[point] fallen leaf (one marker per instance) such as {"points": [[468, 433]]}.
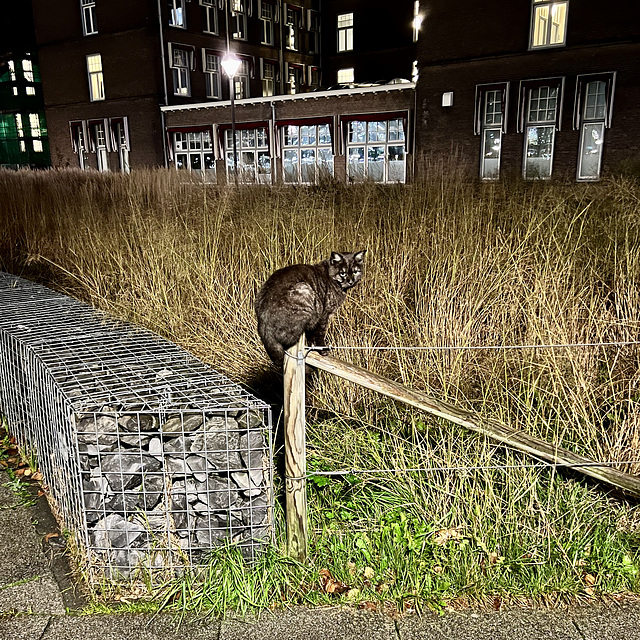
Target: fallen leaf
{"points": [[330, 584], [368, 606], [352, 594], [590, 579], [443, 536], [27, 472], [352, 568], [438, 569], [40, 493], [590, 591], [51, 535], [493, 557], [37, 476], [369, 573], [19, 472], [497, 603]]}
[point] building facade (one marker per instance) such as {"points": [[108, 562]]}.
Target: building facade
{"points": [[23, 130], [540, 89], [346, 89]]}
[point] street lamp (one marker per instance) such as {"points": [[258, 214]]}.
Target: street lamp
{"points": [[231, 64]]}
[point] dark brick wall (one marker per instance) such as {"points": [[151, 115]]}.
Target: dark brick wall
{"points": [[448, 127]]}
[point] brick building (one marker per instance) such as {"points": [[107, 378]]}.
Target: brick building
{"points": [[347, 88], [538, 88], [23, 130]]}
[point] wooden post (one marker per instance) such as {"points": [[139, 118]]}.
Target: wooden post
{"points": [[486, 426], [295, 451]]}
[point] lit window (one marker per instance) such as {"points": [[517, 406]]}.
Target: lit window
{"points": [[253, 159], [594, 100], [376, 151], [120, 136], [308, 153], [12, 74], [241, 81], [548, 23], [541, 116], [181, 76], [36, 132], [415, 72], [20, 130], [295, 74], [239, 17], [27, 70], [212, 73], [194, 151], [345, 32], [96, 80], [210, 15], [267, 13], [177, 13], [268, 78], [89, 25], [346, 76], [292, 32]]}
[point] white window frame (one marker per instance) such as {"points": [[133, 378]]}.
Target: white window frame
{"points": [[213, 75], [307, 153], [542, 120], [211, 15], [193, 151], [267, 20], [345, 32], [88, 12], [254, 159], [181, 71], [368, 137], [241, 81], [295, 78], [491, 124], [592, 118], [548, 24], [177, 13], [35, 127], [102, 152], [292, 27], [78, 134], [96, 77], [239, 19], [120, 142], [268, 74]]}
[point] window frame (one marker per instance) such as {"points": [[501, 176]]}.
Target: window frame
{"points": [[181, 73], [582, 120], [345, 35], [402, 123], [96, 75], [525, 125], [265, 79], [550, 4], [294, 88], [177, 8], [314, 28], [213, 76], [318, 148], [250, 173], [195, 150], [343, 80], [239, 20], [267, 24], [293, 24], [88, 14], [211, 15], [482, 127]]}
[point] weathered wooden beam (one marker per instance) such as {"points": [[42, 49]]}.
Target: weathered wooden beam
{"points": [[486, 426], [295, 451]]}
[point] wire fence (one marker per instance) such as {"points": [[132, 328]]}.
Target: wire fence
{"points": [[150, 458]]}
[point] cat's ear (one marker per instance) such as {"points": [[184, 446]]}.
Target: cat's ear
{"points": [[359, 257], [335, 258]]}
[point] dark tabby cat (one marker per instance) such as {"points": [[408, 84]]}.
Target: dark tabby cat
{"points": [[301, 299]]}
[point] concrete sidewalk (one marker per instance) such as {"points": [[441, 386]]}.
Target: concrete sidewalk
{"points": [[36, 597]]}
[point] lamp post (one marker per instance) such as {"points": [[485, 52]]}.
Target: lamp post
{"points": [[231, 64]]}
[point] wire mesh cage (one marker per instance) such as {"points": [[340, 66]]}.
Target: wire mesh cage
{"points": [[150, 457]]}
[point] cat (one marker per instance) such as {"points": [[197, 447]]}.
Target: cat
{"points": [[301, 299]]}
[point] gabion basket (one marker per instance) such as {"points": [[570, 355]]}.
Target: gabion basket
{"points": [[150, 458]]}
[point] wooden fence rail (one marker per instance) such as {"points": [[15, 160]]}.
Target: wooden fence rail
{"points": [[471, 420]]}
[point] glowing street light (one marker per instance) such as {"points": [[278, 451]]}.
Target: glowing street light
{"points": [[231, 63]]}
